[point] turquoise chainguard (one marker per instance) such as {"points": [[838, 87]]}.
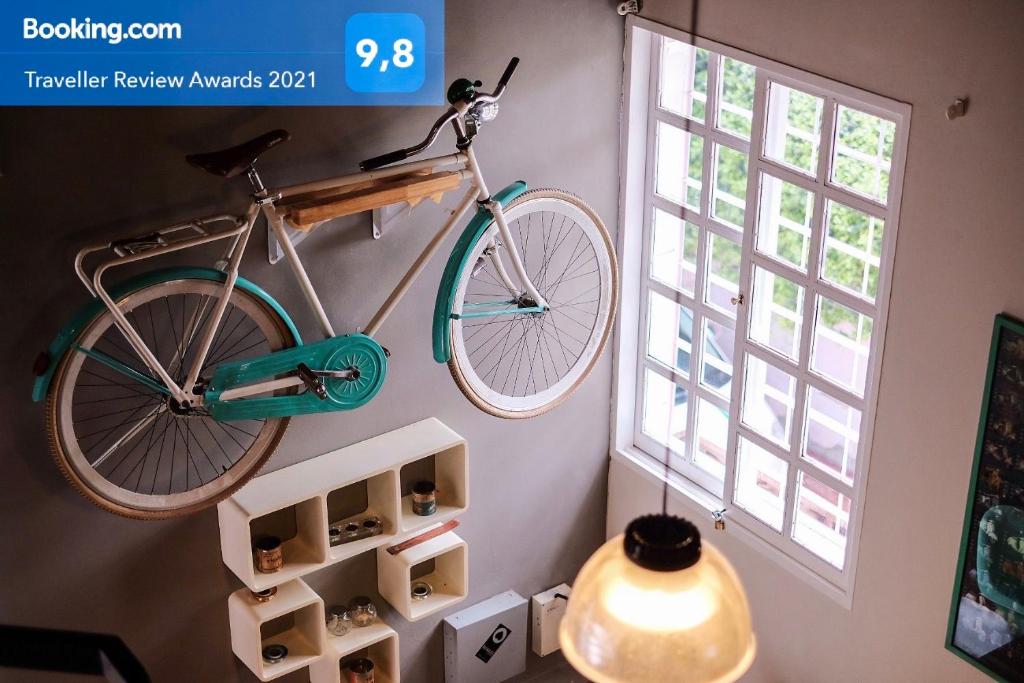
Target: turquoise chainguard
{"points": [[351, 351], [62, 343], [453, 270]]}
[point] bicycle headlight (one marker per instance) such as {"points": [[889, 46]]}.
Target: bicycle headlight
{"points": [[486, 112]]}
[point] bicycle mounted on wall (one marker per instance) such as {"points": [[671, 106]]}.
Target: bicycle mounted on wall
{"points": [[171, 389]]}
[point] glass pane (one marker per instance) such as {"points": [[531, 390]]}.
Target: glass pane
{"points": [[761, 483], [674, 251], [736, 103], [776, 313], [784, 221], [669, 331], [729, 195], [822, 517], [683, 83], [680, 164], [841, 344], [768, 399], [832, 434], [863, 154], [793, 129], [853, 250], [665, 411], [722, 283], [712, 437], [716, 362]]}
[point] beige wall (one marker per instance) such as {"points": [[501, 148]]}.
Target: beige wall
{"points": [[959, 262]]}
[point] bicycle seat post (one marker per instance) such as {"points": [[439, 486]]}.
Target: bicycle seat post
{"points": [[259, 190]]}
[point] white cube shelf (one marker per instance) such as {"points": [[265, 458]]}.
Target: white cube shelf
{"points": [[300, 498], [449, 577], [381, 494], [377, 642], [449, 475], [294, 617]]}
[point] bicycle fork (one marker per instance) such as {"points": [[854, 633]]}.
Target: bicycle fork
{"points": [[528, 296]]}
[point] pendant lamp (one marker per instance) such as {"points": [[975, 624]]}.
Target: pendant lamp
{"points": [[655, 605]]}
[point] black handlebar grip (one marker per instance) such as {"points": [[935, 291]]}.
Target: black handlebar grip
{"points": [[383, 160], [509, 70]]}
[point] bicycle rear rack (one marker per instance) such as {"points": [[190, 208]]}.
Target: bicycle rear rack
{"points": [[158, 242]]}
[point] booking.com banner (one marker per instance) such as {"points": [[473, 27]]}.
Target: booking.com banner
{"points": [[201, 52]]}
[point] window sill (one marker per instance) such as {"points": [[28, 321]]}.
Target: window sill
{"points": [[700, 502]]}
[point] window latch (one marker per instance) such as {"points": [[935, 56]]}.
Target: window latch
{"points": [[719, 517], [737, 300]]}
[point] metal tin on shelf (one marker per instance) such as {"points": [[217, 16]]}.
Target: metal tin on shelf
{"points": [[268, 554], [359, 671], [274, 653], [421, 590], [424, 498]]}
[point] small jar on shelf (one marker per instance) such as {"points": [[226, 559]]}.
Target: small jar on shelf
{"points": [[362, 611]]}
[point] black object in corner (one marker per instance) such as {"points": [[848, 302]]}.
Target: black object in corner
{"points": [[44, 649]]}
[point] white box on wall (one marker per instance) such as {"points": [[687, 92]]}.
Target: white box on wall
{"points": [[486, 643]]}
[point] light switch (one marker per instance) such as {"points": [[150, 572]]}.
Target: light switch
{"points": [[547, 610]]}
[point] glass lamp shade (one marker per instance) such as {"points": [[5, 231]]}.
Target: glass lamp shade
{"points": [[629, 624]]}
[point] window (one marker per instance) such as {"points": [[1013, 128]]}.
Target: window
{"points": [[761, 207]]}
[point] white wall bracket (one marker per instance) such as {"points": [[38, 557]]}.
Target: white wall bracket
{"points": [[379, 218]]}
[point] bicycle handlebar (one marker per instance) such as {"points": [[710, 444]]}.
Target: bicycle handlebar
{"points": [[401, 154], [452, 113], [505, 77]]}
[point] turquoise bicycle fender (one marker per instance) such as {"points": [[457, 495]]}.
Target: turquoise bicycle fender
{"points": [[66, 337], [456, 262]]}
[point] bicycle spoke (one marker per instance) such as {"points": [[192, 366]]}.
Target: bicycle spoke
{"points": [[126, 433]]}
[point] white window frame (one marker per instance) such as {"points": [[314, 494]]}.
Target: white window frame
{"points": [[636, 191]]}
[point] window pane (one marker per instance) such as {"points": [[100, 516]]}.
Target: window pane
{"points": [[723, 277], [821, 520], [729, 195], [736, 103], [680, 160], [665, 411], [793, 128], [712, 437], [768, 399], [784, 221], [683, 85], [841, 344], [669, 331], [832, 435], [863, 154], [761, 483], [674, 251], [776, 313], [716, 361], [853, 249]]}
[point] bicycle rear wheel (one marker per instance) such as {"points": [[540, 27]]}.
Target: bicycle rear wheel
{"points": [[518, 365], [121, 444]]}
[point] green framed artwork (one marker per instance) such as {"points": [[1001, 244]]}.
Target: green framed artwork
{"points": [[986, 620]]}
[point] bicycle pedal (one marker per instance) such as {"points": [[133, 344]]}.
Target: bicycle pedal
{"points": [[312, 382]]}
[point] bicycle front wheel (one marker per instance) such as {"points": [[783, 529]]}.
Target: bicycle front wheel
{"points": [[517, 364], [121, 443]]}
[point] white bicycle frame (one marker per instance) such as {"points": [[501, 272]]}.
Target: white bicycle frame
{"points": [[239, 229]]}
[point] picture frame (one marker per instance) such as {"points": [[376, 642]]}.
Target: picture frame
{"points": [[986, 618]]}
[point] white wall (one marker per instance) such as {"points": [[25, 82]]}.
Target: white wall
{"points": [[958, 263]]}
